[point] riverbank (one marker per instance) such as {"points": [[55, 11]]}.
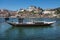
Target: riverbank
{"points": [[34, 16]]}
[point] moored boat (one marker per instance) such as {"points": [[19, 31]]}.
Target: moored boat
{"points": [[31, 23]]}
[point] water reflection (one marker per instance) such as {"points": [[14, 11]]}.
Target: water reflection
{"points": [[25, 32]]}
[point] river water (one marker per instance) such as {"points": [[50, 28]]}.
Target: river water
{"points": [[8, 32]]}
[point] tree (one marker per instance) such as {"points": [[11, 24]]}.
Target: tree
{"points": [[58, 10]]}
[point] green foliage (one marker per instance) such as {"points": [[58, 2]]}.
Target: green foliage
{"points": [[58, 10], [20, 12], [33, 12]]}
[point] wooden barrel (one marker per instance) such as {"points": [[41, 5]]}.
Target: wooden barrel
{"points": [[20, 20], [6, 19]]}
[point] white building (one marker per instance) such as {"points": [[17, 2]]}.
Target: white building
{"points": [[48, 12], [31, 8], [21, 10], [1, 10]]}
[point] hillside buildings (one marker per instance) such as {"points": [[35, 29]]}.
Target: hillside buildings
{"points": [[31, 11]]}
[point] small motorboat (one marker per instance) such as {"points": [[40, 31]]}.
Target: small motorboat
{"points": [[36, 23]]}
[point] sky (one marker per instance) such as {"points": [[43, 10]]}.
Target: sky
{"points": [[17, 4]]}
